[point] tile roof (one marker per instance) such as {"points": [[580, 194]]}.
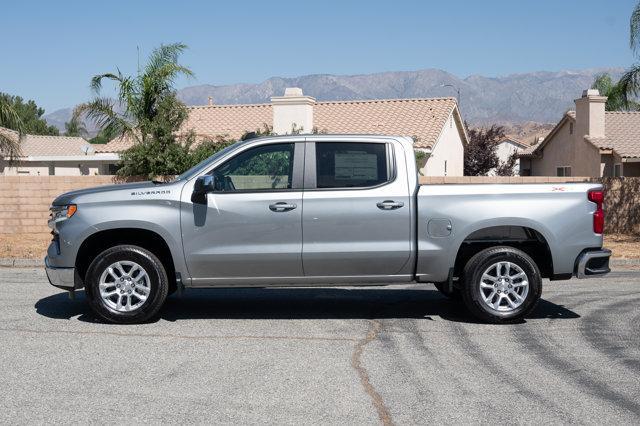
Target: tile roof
{"points": [[233, 121], [527, 152], [117, 144], [40, 145], [421, 118], [515, 141], [622, 134], [622, 130]]}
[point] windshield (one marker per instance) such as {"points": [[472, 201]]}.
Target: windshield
{"points": [[201, 165]]}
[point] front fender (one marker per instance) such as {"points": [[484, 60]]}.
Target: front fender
{"points": [[159, 216]]}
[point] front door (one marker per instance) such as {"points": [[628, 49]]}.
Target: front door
{"points": [[249, 231], [357, 210]]}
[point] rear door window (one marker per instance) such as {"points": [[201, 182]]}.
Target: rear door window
{"points": [[351, 165]]}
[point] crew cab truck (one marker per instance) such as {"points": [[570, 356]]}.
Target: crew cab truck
{"points": [[322, 210]]}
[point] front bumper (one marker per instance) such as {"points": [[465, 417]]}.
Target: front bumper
{"points": [[593, 263], [60, 277]]}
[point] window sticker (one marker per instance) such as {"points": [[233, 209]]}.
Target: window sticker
{"points": [[350, 165]]}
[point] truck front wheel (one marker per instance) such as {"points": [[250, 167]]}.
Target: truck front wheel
{"points": [[126, 284], [501, 284]]}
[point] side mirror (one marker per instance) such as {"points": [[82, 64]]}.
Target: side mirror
{"points": [[204, 184]]}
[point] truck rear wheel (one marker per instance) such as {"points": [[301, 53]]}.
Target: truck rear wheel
{"points": [[501, 284], [126, 284]]}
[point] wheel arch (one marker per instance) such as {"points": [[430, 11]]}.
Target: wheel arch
{"points": [[525, 237], [101, 240]]}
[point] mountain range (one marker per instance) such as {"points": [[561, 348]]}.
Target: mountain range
{"points": [[541, 96]]}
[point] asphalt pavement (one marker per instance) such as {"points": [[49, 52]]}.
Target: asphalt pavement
{"points": [[394, 355]]}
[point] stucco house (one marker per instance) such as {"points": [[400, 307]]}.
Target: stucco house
{"points": [[506, 148], [56, 155], [434, 123], [587, 142]]}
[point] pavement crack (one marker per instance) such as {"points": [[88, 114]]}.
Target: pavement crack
{"points": [[356, 363], [181, 336]]}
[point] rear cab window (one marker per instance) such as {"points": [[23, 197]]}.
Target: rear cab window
{"points": [[351, 164]]}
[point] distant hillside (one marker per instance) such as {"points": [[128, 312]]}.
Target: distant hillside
{"points": [[529, 131], [519, 98]]}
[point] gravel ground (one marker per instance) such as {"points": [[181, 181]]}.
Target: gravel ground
{"points": [[402, 355]]}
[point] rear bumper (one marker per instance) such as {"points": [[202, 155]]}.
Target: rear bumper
{"points": [[593, 263], [60, 277]]}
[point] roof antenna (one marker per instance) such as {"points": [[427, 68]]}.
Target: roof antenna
{"points": [[138, 50]]}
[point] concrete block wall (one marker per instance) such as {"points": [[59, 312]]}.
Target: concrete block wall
{"points": [[25, 200]]}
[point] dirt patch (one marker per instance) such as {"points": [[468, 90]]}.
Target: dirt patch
{"points": [[623, 246]]}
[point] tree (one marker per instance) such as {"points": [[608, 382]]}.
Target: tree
{"points": [[143, 98], [480, 153], [148, 112], [154, 158], [30, 115], [75, 127], [103, 136], [9, 118], [161, 152], [508, 167], [630, 81], [207, 148], [421, 160], [615, 93]]}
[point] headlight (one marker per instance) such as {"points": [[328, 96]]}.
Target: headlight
{"points": [[60, 213]]}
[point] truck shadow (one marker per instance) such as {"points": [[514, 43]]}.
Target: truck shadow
{"points": [[299, 303]]}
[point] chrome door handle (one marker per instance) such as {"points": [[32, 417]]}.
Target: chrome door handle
{"points": [[390, 205], [282, 206]]}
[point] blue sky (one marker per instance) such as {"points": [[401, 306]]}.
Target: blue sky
{"points": [[52, 48]]}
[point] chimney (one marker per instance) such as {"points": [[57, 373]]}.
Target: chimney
{"points": [[590, 114], [293, 110], [210, 100]]}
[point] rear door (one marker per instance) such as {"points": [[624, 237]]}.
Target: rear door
{"points": [[357, 212]]}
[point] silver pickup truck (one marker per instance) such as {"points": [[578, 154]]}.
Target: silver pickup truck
{"points": [[322, 210]]}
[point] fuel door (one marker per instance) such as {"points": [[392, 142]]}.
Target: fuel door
{"points": [[439, 228]]}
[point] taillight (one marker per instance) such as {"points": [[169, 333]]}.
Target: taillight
{"points": [[597, 196]]}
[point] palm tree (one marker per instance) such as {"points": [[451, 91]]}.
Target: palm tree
{"points": [[141, 99], [634, 26], [9, 145], [630, 81], [615, 93], [75, 127]]}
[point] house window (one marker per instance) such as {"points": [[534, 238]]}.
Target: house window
{"points": [[617, 170], [570, 128], [445, 167], [52, 170], [563, 171]]}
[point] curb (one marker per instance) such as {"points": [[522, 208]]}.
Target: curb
{"points": [[619, 261], [8, 262]]}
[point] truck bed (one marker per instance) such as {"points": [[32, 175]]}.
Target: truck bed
{"points": [[450, 214]]}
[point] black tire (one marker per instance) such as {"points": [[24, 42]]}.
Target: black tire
{"points": [[472, 276], [443, 288], [158, 284]]}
